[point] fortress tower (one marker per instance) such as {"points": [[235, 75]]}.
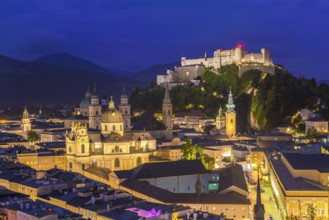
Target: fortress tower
{"points": [[125, 109], [95, 111], [230, 116], [167, 114], [26, 123]]}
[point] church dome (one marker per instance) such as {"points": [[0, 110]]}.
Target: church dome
{"points": [[85, 103], [112, 115]]}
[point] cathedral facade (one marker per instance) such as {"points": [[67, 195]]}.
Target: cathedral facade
{"points": [[112, 147], [91, 110]]}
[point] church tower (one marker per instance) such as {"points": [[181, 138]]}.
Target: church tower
{"points": [[220, 119], [125, 109], [230, 116], [26, 123], [167, 114], [95, 111], [259, 210], [77, 147]]}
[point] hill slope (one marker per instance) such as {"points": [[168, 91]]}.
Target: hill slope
{"points": [[150, 73], [71, 61], [25, 83]]}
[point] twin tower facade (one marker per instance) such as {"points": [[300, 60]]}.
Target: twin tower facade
{"points": [[92, 107]]}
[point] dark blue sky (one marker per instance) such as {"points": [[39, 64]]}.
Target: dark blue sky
{"points": [[132, 35]]}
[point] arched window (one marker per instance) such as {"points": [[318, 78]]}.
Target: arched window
{"points": [[82, 148], [70, 165], [168, 112], [113, 128], [96, 112], [232, 121], [70, 149], [139, 161], [117, 162], [105, 128], [126, 112], [83, 166], [120, 127]]}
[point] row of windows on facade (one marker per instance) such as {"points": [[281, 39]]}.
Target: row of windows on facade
{"points": [[113, 128], [116, 163], [116, 149]]}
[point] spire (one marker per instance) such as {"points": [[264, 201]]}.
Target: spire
{"points": [[94, 96], [87, 93], [220, 115], [111, 104], [94, 88], [123, 94], [198, 186], [25, 113], [167, 96], [230, 104]]}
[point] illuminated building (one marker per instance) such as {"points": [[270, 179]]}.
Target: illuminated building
{"points": [[112, 147], [43, 160], [230, 117], [299, 180], [26, 123]]}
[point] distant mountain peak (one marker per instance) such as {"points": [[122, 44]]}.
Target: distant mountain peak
{"points": [[71, 61]]}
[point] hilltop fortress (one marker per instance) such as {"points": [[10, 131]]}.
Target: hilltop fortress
{"points": [[190, 69]]}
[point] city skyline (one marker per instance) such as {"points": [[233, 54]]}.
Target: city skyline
{"points": [[135, 35]]}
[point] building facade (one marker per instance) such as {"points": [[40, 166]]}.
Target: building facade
{"points": [[230, 117], [112, 147]]}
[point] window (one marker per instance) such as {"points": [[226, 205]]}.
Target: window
{"points": [[117, 162], [120, 127], [113, 128], [116, 149], [70, 149], [96, 112], [188, 188], [105, 128], [83, 148], [70, 165], [83, 166]]}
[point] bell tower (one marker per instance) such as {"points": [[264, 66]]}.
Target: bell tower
{"points": [[26, 123], [220, 119], [230, 116], [167, 114], [95, 111], [125, 109]]}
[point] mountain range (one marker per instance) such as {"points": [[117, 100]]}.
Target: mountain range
{"points": [[63, 78]]}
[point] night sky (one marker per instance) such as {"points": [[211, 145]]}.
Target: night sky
{"points": [[132, 35]]}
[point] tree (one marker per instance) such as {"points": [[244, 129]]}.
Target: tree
{"points": [[194, 152], [32, 136], [312, 134]]}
